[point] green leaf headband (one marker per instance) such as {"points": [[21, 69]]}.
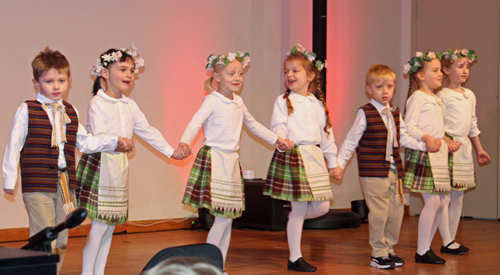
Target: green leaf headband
{"points": [[223, 59], [415, 62], [97, 67], [309, 55], [454, 55]]}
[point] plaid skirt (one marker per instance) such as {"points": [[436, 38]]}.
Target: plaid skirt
{"points": [[198, 189], [287, 178], [87, 174], [418, 174]]}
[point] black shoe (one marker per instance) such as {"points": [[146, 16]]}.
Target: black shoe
{"points": [[382, 263], [301, 265], [429, 258], [455, 251], [398, 261]]}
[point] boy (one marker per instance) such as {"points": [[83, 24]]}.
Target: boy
{"points": [[376, 135], [43, 138]]}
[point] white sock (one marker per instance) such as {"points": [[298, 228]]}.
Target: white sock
{"points": [[92, 247], [220, 235], [432, 203], [456, 204], [294, 228], [102, 256]]}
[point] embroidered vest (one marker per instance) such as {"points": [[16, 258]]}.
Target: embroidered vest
{"points": [[39, 162], [372, 145]]}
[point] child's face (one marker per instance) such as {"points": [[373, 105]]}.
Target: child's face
{"points": [[459, 71], [119, 75], [431, 76], [52, 84], [296, 77], [381, 90], [230, 77]]}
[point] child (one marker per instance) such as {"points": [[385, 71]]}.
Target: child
{"points": [[426, 172], [301, 175], [215, 182], [376, 135], [460, 123], [43, 138], [103, 176]]}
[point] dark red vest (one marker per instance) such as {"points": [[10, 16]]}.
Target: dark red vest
{"points": [[39, 162], [372, 145]]}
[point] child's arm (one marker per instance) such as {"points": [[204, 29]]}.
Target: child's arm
{"points": [[15, 144], [198, 119], [413, 110], [352, 140], [408, 141], [279, 121], [482, 156]]}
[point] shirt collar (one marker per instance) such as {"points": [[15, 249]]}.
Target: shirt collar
{"points": [[467, 94], [223, 98], [42, 99], [300, 98], [106, 97], [378, 105], [430, 98]]}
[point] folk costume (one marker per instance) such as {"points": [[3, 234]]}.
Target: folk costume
{"points": [[43, 138], [377, 134]]}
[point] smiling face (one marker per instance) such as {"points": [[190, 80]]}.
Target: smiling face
{"points": [[430, 77], [230, 78], [458, 72], [52, 84], [381, 90], [119, 76], [296, 77]]}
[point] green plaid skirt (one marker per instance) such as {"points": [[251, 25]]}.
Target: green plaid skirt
{"points": [[197, 192], [418, 174], [87, 174], [286, 177]]}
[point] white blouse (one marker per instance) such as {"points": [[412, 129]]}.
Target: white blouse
{"points": [[459, 113], [424, 115], [305, 125], [122, 117], [85, 142], [359, 127], [222, 120]]}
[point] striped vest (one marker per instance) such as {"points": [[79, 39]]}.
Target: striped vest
{"points": [[39, 162], [372, 145]]}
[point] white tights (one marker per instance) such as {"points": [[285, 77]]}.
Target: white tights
{"points": [[429, 220], [96, 249], [302, 210], [451, 218], [220, 235]]}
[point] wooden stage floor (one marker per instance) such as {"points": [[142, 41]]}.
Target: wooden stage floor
{"points": [[344, 251]]}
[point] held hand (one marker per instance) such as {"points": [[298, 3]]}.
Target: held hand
{"points": [[453, 145], [125, 145], [178, 155], [433, 145], [336, 172], [9, 191], [482, 157]]}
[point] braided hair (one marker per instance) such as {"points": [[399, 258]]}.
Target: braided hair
{"points": [[314, 85]]}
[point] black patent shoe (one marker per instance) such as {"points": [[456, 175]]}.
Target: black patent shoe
{"points": [[301, 265], [429, 258], [455, 251]]}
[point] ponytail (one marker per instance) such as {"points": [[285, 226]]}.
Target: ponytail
{"points": [[318, 93], [97, 85], [288, 102], [208, 85]]}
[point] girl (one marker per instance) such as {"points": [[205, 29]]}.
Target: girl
{"points": [[301, 175], [460, 123], [104, 190], [426, 172], [215, 182]]}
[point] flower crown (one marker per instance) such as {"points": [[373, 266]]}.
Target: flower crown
{"points": [[97, 67], [223, 59], [415, 62], [457, 54], [309, 55]]}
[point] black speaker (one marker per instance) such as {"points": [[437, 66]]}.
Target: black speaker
{"points": [[261, 212]]}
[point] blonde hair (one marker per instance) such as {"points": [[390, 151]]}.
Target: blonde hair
{"points": [[49, 59], [380, 72], [314, 86], [208, 83]]}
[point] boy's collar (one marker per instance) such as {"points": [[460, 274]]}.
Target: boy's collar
{"points": [[42, 99], [379, 105]]}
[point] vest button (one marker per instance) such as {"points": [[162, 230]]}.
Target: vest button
{"points": [[52, 167]]}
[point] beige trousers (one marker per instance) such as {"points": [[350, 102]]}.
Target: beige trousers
{"points": [[46, 209], [386, 213]]}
